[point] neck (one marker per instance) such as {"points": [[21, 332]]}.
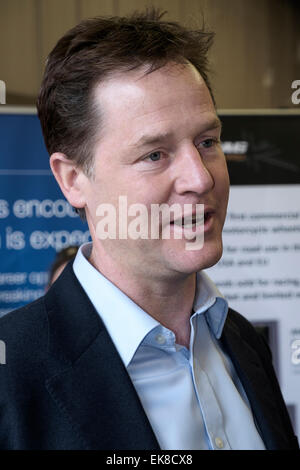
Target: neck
{"points": [[169, 301]]}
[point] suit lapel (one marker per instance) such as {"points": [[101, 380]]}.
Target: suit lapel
{"points": [[87, 378], [257, 386], [91, 386]]}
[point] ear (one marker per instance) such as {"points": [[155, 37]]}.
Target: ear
{"points": [[70, 178]]}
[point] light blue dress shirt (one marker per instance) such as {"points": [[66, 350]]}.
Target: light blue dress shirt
{"points": [[192, 397]]}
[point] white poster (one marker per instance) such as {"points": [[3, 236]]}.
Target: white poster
{"points": [[259, 274]]}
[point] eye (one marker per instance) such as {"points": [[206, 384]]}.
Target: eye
{"points": [[154, 156], [208, 143]]}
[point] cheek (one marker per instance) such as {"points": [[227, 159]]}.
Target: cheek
{"points": [[95, 195]]}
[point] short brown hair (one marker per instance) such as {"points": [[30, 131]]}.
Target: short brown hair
{"points": [[92, 51]]}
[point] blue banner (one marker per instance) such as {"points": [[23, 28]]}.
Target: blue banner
{"points": [[36, 221]]}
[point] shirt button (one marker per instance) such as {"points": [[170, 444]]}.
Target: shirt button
{"points": [[160, 339], [219, 443]]}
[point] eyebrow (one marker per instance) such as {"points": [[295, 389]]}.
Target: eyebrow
{"points": [[161, 137]]}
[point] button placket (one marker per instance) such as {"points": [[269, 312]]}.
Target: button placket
{"points": [[212, 415]]}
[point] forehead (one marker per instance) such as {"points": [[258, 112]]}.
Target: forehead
{"points": [[159, 99]]}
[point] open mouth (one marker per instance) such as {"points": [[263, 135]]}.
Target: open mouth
{"points": [[192, 221], [207, 216]]}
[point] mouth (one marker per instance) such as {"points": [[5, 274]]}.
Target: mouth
{"points": [[193, 221]]}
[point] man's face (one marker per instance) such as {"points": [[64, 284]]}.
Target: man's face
{"points": [[159, 144]]}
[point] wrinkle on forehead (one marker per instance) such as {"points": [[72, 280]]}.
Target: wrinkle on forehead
{"points": [[132, 96]]}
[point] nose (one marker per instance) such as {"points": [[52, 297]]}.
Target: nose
{"points": [[192, 174]]}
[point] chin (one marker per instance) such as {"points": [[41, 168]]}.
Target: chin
{"points": [[194, 261]]}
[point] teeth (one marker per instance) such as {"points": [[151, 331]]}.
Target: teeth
{"points": [[189, 222]]}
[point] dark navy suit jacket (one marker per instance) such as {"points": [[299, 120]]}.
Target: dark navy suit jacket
{"points": [[64, 385]]}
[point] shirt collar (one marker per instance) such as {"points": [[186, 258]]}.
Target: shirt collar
{"points": [[126, 322], [209, 299]]}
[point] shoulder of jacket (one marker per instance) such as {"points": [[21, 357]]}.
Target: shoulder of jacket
{"points": [[23, 333]]}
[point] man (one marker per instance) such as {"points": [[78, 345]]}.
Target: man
{"points": [[133, 347]]}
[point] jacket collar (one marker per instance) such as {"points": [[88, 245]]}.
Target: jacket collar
{"points": [[256, 383], [86, 377]]}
